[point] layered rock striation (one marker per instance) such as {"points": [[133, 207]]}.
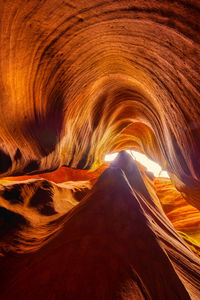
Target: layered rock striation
{"points": [[81, 79], [78, 80]]}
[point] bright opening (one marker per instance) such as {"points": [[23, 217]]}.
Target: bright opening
{"points": [[143, 160]]}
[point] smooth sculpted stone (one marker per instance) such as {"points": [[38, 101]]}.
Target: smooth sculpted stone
{"points": [[113, 245], [79, 80]]}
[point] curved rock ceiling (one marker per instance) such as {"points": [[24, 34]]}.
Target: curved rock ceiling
{"points": [[79, 79]]}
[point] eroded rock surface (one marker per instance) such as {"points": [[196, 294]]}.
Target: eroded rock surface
{"points": [[75, 75], [78, 80], [115, 244]]}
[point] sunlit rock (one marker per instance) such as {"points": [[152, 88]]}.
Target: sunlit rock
{"points": [[79, 80]]}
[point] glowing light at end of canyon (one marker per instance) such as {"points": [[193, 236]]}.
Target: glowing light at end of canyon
{"points": [[144, 160]]}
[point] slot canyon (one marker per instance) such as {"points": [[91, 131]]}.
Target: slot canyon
{"points": [[79, 80]]}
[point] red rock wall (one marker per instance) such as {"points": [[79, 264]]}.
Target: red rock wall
{"points": [[78, 80], [74, 75], [115, 244]]}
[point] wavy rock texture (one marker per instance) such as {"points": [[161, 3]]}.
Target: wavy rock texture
{"points": [[116, 244], [75, 75], [78, 80], [184, 217]]}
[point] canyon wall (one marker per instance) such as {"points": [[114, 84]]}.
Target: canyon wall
{"points": [[79, 79]]}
